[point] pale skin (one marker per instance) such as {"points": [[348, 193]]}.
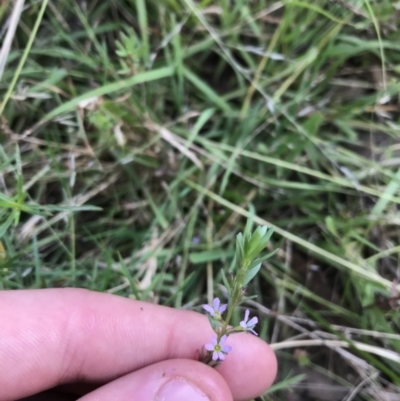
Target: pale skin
{"points": [[63, 344]]}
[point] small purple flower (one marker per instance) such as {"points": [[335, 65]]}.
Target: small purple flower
{"points": [[196, 240], [216, 310], [249, 325], [219, 350]]}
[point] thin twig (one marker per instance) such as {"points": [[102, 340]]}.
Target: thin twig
{"points": [[384, 353]]}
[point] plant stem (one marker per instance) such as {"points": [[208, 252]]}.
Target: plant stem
{"points": [[235, 301]]}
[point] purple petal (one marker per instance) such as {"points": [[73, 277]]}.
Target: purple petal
{"points": [[209, 309], [252, 321], [253, 332], [221, 356], [223, 339], [215, 356], [216, 303], [214, 340], [222, 308], [226, 348], [243, 324], [209, 347], [246, 316]]}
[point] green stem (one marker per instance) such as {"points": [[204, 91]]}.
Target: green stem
{"points": [[235, 301]]}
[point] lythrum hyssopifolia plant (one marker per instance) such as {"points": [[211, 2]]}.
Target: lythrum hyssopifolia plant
{"points": [[247, 264]]}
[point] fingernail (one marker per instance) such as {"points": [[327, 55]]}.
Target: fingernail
{"points": [[180, 390]]}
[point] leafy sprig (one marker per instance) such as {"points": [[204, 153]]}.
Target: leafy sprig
{"points": [[247, 264]]}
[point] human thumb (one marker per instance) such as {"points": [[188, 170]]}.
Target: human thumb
{"points": [[171, 380]]}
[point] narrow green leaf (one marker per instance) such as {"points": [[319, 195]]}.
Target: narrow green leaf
{"points": [[143, 24], [208, 256], [6, 224], [391, 190], [226, 282], [249, 224], [266, 237], [250, 274], [265, 257], [124, 84]]}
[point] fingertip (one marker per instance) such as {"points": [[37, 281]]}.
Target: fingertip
{"points": [[253, 359], [170, 380]]}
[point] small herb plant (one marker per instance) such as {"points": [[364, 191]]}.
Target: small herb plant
{"points": [[247, 264]]}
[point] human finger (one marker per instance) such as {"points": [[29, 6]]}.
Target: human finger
{"points": [[172, 380], [55, 336]]}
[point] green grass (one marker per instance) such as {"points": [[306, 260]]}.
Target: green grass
{"points": [[128, 128]]}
